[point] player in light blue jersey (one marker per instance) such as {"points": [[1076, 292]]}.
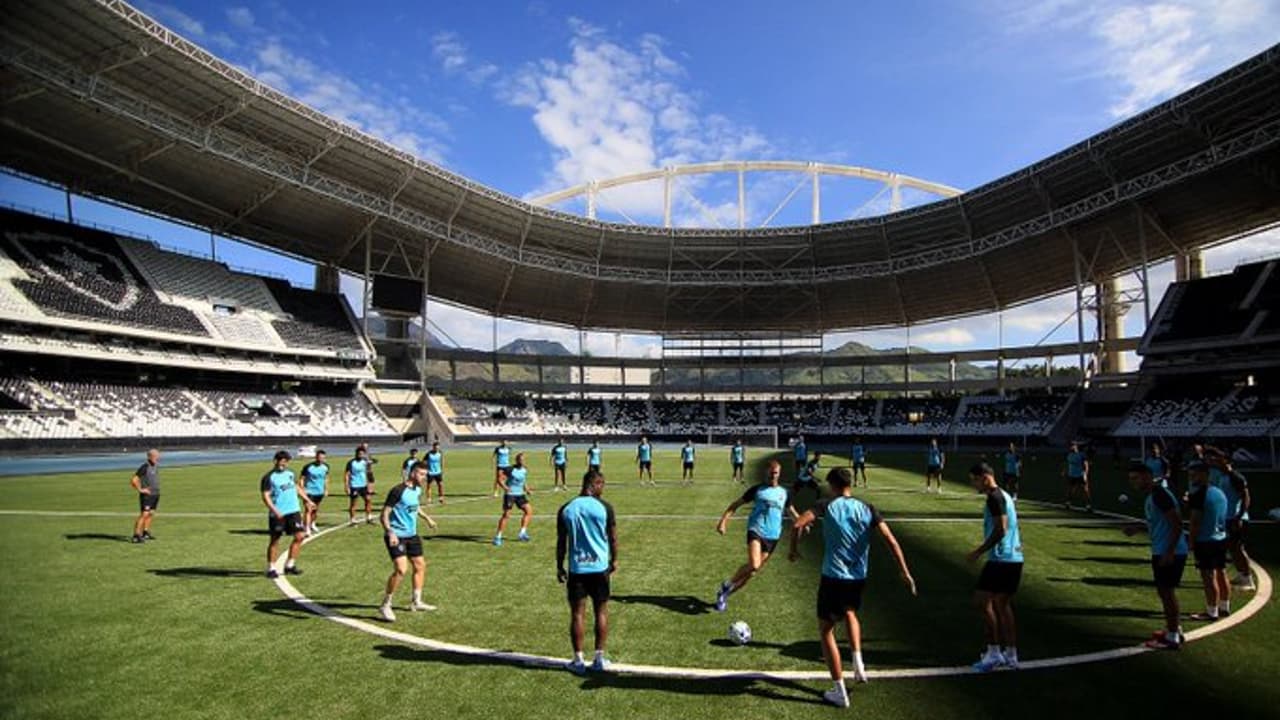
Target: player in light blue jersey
{"points": [[1236, 487], [738, 459], [800, 452], [559, 465], [315, 481], [1076, 472], [1158, 464], [858, 457], [768, 502], [1208, 540], [400, 534], [1012, 478], [515, 493], [501, 465], [1168, 550], [358, 483], [1002, 543], [847, 525], [587, 536], [435, 472], [687, 454], [593, 457], [936, 460], [644, 460], [285, 500]]}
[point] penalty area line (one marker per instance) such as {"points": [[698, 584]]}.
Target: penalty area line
{"points": [[1261, 597]]}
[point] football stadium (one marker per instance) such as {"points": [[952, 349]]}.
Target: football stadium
{"points": [[364, 517]]}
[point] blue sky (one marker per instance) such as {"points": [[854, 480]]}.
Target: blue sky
{"points": [[535, 96]]}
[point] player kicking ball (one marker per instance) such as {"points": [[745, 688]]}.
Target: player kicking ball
{"points": [[515, 493], [400, 525], [1168, 551], [284, 499], [847, 525], [1001, 575], [764, 527]]}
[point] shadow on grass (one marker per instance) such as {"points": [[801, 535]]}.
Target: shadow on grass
{"points": [[811, 650], [770, 689], [1108, 560], [97, 536], [249, 531], [284, 607], [1113, 543], [481, 539], [200, 573], [683, 604], [1105, 581], [1103, 612]]}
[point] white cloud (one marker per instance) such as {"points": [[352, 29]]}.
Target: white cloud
{"points": [[951, 337], [1150, 49], [448, 49], [614, 108], [395, 120], [240, 17]]}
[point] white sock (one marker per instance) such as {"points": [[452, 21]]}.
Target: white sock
{"points": [[839, 687], [993, 650], [599, 655], [386, 600], [857, 661], [1010, 653], [1224, 606], [578, 656], [288, 563], [417, 596]]}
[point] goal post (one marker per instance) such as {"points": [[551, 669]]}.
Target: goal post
{"points": [[751, 435]]}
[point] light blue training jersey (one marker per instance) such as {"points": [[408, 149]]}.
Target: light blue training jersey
{"points": [[435, 463], [515, 480], [846, 535], [768, 503], [559, 454], [502, 456], [1075, 464], [686, 454], [404, 502], [1162, 532], [314, 476], [583, 524], [644, 452], [859, 454], [738, 455], [283, 489], [1212, 504], [359, 470], [935, 456], [1012, 462], [1009, 549]]}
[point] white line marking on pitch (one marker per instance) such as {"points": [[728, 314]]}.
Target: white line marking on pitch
{"points": [[1259, 600]]}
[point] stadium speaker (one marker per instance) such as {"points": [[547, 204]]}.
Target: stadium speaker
{"points": [[397, 295]]}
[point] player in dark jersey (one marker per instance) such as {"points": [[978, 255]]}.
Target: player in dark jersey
{"points": [[358, 483], [284, 499], [587, 536], [768, 503], [1002, 542], [516, 493], [400, 535], [146, 480], [847, 525], [315, 482], [1168, 550]]}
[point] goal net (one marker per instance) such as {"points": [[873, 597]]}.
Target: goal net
{"points": [[750, 435]]}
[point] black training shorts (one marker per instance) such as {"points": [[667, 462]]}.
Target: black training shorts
{"points": [[315, 498], [1211, 555], [1000, 578], [290, 524], [148, 502], [766, 546], [588, 585], [835, 597], [360, 492], [404, 547], [509, 501], [1168, 576], [1237, 531], [438, 479]]}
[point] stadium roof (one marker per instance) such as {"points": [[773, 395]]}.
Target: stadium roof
{"points": [[100, 97]]}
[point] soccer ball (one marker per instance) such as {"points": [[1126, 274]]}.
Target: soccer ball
{"points": [[1123, 498], [740, 633], [1274, 514]]}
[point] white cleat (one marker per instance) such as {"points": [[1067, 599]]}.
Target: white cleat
{"points": [[386, 613], [860, 675], [837, 696], [419, 606]]}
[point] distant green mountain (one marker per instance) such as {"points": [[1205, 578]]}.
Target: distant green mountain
{"points": [[936, 372]]}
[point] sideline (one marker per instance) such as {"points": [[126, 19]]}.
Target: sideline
{"points": [[1261, 597]]}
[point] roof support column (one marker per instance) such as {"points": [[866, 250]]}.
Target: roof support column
{"points": [[817, 194], [426, 275], [1146, 287], [70, 215], [742, 199], [1075, 264], [592, 190], [368, 284], [906, 363], [667, 178]]}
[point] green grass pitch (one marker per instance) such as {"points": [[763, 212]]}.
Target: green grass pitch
{"points": [[187, 626]]}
